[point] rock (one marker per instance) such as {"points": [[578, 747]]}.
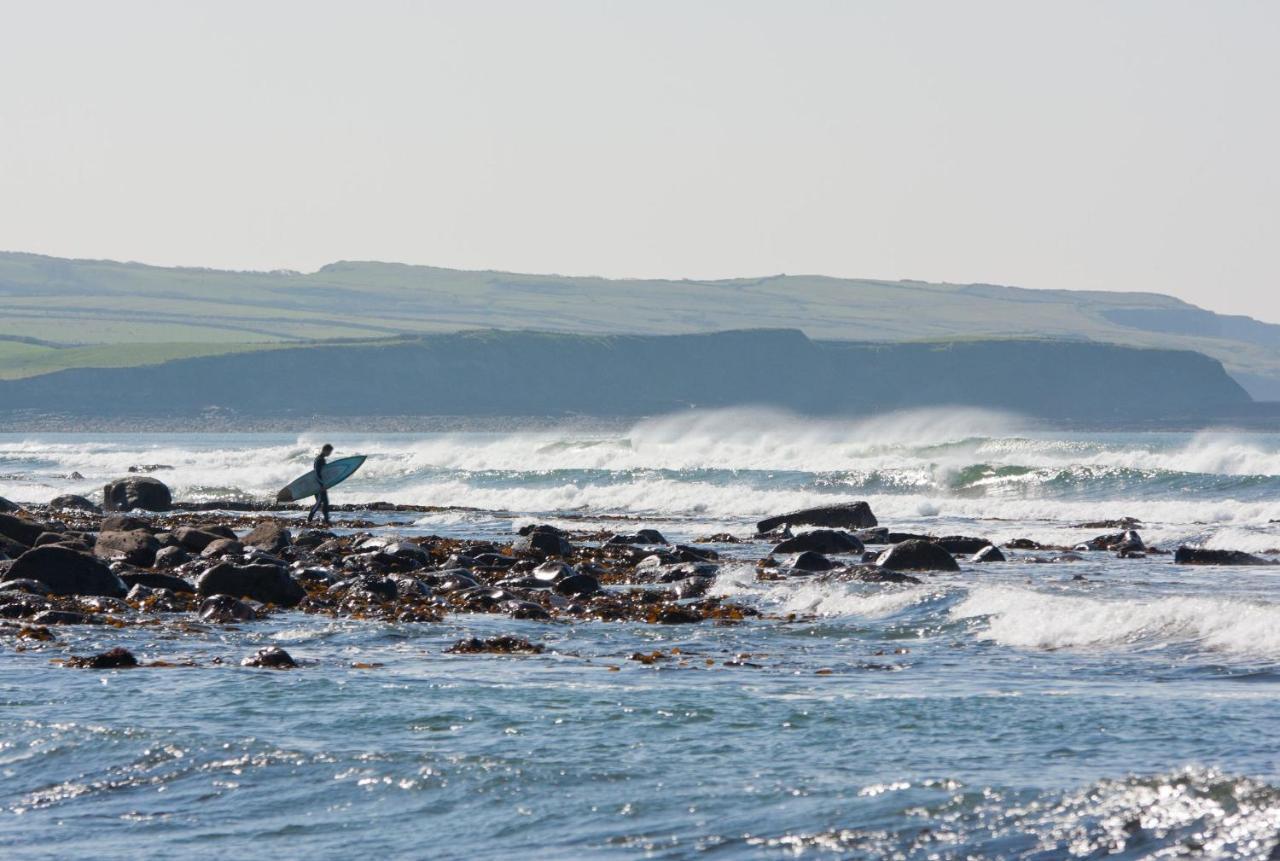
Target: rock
{"points": [[961, 543], [899, 537], [543, 542], [1127, 540], [8, 507], [642, 536], [222, 547], [149, 467], [194, 539], [64, 617], [1200, 556], [222, 531], [67, 572], [405, 554], [917, 555], [272, 658], [112, 659], [49, 538], [808, 561], [146, 493], [693, 587], [686, 553], [157, 581], [30, 587], [171, 557], [266, 583], [990, 553], [309, 539], [528, 610], [577, 584], [123, 523], [10, 548], [223, 609], [875, 535], [821, 541], [137, 547], [74, 502], [849, 515], [1122, 523], [20, 530], [868, 574], [551, 572], [505, 644], [268, 536]]}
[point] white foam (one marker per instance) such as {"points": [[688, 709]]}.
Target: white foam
{"points": [[1029, 619]]}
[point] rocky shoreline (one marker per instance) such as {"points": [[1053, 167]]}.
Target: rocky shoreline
{"points": [[155, 562]]}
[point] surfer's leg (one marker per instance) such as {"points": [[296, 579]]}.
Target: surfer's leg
{"points": [[322, 501], [312, 513]]}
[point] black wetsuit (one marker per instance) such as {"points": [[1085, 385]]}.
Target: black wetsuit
{"points": [[322, 497]]}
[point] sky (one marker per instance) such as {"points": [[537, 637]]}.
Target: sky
{"points": [[1079, 145]]}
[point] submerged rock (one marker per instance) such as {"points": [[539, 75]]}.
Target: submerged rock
{"points": [[109, 660], [272, 658], [504, 644], [224, 608], [1201, 556]]}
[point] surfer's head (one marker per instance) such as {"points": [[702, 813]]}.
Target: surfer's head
{"points": [[327, 449]]}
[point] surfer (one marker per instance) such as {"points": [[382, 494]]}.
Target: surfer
{"points": [[322, 496]]}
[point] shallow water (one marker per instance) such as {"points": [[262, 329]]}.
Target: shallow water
{"points": [[1005, 711]]}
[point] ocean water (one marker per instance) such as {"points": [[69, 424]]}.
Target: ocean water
{"points": [[1107, 707]]}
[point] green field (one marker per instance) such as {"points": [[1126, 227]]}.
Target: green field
{"points": [[107, 314]]}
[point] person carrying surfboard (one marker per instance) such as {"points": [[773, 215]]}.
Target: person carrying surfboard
{"points": [[322, 495]]}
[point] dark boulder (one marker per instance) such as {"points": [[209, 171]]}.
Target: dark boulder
{"points": [[543, 542], [74, 502], [223, 609], [126, 494], [849, 515], [693, 587], [30, 587], [268, 536], [64, 617], [990, 553], [1200, 556], [899, 537], [917, 555], [577, 584], [961, 543], [137, 547], [123, 523], [157, 581], [642, 536], [222, 547], [503, 644], [8, 507], [272, 658], [20, 530], [194, 539], [67, 572], [266, 583], [171, 557], [1127, 540], [875, 535], [821, 541], [49, 538], [808, 561]]}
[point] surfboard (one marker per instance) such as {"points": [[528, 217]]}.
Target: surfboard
{"points": [[334, 472]]}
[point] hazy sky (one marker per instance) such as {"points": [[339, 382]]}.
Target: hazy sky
{"points": [[1109, 145]]}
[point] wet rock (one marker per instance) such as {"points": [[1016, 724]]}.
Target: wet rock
{"points": [[67, 572], [268, 536], [642, 536], [868, 574], [20, 529], [673, 615], [149, 467], [551, 572], [49, 538], [371, 585], [112, 659], [452, 580], [405, 555], [899, 537], [577, 585], [916, 555], [1122, 523], [171, 557], [686, 553], [528, 610], [542, 541], [157, 581], [126, 494], [808, 561], [64, 617], [309, 539], [820, 541], [990, 553], [266, 583], [222, 547], [1024, 544], [1127, 540], [693, 587], [10, 548], [7, 507], [962, 544], [138, 547], [30, 587], [123, 523], [1200, 556], [504, 644], [272, 658], [685, 570], [875, 535], [850, 515], [75, 503], [225, 609]]}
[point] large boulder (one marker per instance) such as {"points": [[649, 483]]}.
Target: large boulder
{"points": [[917, 555], [808, 561], [266, 583], [848, 515], [19, 529], [1201, 556], [137, 547], [821, 541], [542, 541], [990, 553], [268, 536], [67, 572], [961, 543], [144, 492], [8, 507], [194, 539], [74, 502]]}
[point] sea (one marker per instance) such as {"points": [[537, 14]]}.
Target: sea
{"points": [[1104, 707]]}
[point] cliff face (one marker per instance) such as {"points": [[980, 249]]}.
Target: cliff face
{"points": [[524, 373]]}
